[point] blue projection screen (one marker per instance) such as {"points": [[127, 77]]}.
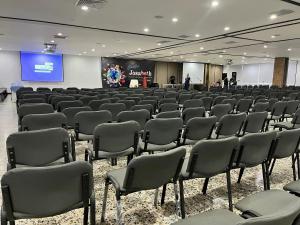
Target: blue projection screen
{"points": [[38, 67]]}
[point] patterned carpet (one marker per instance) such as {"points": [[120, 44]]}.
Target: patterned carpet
{"points": [[138, 208]]}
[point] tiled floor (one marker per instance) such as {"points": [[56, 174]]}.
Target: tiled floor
{"points": [[138, 207]]}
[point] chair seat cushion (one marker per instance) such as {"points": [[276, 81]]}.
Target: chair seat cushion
{"points": [[117, 177], [215, 217], [266, 202], [155, 148], [284, 125], [293, 187], [85, 137], [102, 154], [270, 117]]}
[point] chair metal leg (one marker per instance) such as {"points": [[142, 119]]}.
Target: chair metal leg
{"points": [[119, 210], [263, 167], [267, 175], [294, 168], [181, 191], [228, 178], [204, 189], [92, 210], [298, 164], [272, 167], [86, 216], [12, 223], [240, 175], [163, 194], [177, 202], [3, 218], [156, 197], [104, 201]]}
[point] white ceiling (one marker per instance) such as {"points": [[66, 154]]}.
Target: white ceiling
{"points": [[126, 20]]}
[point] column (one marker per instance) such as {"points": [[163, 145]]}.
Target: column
{"points": [[281, 65]]}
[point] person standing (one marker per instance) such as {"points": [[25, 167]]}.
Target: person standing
{"points": [[226, 83], [187, 82]]}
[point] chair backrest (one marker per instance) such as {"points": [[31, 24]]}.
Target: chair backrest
{"points": [[230, 124], [95, 104], [189, 113], [147, 107], [212, 157], [296, 117], [86, 121], [171, 94], [102, 96], [255, 148], [219, 99], [149, 102], [141, 116], [105, 136], [38, 147], [287, 143], [163, 131], [121, 96], [86, 99], [255, 122], [199, 128], [166, 107], [292, 106], [183, 97], [136, 99], [155, 98], [34, 95], [244, 105], [207, 101], [128, 103], [192, 103], [278, 108], [56, 99], [67, 104], [230, 101], [260, 107], [167, 100], [46, 191], [114, 108], [38, 108], [150, 171], [71, 112], [220, 110], [169, 114], [31, 100], [43, 121]]}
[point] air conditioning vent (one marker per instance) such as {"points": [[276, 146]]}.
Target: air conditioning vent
{"points": [[60, 37], [163, 42], [231, 42], [96, 4], [283, 12], [183, 36], [293, 2]]}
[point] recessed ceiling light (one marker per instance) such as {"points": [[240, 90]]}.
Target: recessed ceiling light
{"points": [[226, 28], [273, 36], [146, 29], [115, 54], [208, 60], [84, 52], [125, 52], [139, 49], [52, 41], [289, 49], [214, 3], [103, 45], [224, 51], [265, 46], [201, 48], [159, 44], [267, 55], [195, 55], [265, 59], [0, 49], [245, 53], [171, 53], [85, 8], [93, 50], [197, 35], [181, 57], [243, 57], [220, 56], [174, 20], [59, 34], [273, 16]]}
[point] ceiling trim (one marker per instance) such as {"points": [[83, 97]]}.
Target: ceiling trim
{"points": [[291, 2]]}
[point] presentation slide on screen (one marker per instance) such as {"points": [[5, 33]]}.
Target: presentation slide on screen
{"points": [[195, 71], [38, 67]]}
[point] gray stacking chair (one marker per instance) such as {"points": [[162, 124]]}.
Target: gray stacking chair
{"points": [[141, 116], [254, 150], [106, 146], [155, 98], [260, 107], [159, 94], [102, 96], [220, 110], [71, 112], [255, 122], [277, 113], [56, 99], [209, 158], [113, 99], [169, 114], [121, 96], [207, 102], [198, 128], [219, 100], [128, 103], [161, 135], [295, 123], [114, 108], [67, 104], [166, 107], [144, 173], [34, 95], [230, 124], [141, 96], [286, 145], [190, 113], [171, 94], [43, 121], [230, 101], [95, 104], [48, 191], [183, 97], [243, 105], [149, 102], [192, 103], [272, 101], [31, 101], [147, 107], [87, 99], [136, 99], [39, 148], [291, 108], [86, 121], [167, 100]]}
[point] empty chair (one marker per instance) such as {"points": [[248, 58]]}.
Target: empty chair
{"points": [[260, 107], [171, 94], [169, 114], [207, 102], [33, 95], [141, 96], [230, 124], [86, 121], [71, 112], [219, 100], [146, 106], [67, 104], [203, 163], [277, 112], [183, 97], [43, 121], [189, 113], [87, 99], [48, 191], [254, 150], [159, 94], [230, 101], [114, 108], [166, 107], [198, 128], [244, 105], [43, 89], [102, 96], [128, 103], [149, 102], [287, 143], [161, 135], [56, 99], [38, 148], [121, 96], [291, 108], [295, 123], [95, 104], [113, 99], [156, 98], [135, 99], [31, 101], [105, 145], [141, 116], [255, 122], [167, 100], [192, 103], [220, 110], [144, 173]]}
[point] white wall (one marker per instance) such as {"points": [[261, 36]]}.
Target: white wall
{"points": [[79, 71], [293, 77], [195, 70]]}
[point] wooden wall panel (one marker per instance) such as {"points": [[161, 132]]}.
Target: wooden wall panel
{"points": [[163, 71], [214, 74]]}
